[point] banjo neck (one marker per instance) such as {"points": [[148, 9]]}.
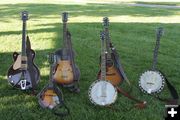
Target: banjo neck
{"points": [[155, 56], [103, 58], [103, 64]]}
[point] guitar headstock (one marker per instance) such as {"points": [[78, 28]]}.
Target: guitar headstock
{"points": [[159, 32], [24, 15], [105, 21], [51, 58], [64, 16], [102, 35]]}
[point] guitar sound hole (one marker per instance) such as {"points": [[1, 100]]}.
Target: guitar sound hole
{"points": [[109, 63]]}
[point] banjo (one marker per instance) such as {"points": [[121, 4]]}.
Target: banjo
{"points": [[102, 92], [152, 81]]}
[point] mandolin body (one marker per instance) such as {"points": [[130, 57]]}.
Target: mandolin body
{"points": [[49, 98], [15, 73]]}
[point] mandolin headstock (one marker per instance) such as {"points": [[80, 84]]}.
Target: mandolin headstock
{"points": [[64, 16], [105, 21], [51, 58], [24, 15]]}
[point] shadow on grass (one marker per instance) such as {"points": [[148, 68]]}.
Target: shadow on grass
{"points": [[135, 44]]}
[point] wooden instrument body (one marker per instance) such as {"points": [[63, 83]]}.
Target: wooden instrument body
{"points": [[50, 98], [112, 73], [15, 71], [24, 73], [50, 95], [64, 73]]}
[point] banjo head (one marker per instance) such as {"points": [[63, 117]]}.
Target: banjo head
{"points": [[96, 90], [151, 82]]}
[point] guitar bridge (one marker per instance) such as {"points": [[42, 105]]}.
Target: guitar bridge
{"points": [[23, 84]]}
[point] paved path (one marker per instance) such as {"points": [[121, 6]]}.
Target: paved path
{"points": [[158, 6]]}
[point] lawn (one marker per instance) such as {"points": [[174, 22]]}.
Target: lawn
{"points": [[132, 32]]}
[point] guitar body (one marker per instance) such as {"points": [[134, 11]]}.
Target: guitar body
{"points": [[24, 73], [112, 75], [64, 73], [15, 73]]}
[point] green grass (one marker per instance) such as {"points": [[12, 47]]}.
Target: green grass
{"points": [[160, 3], [132, 32]]}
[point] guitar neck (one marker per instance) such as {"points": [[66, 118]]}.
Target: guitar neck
{"points": [[108, 41], [65, 35], [23, 52], [24, 39]]}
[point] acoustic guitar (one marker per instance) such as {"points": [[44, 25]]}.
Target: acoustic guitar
{"points": [[66, 72], [24, 74], [112, 73]]}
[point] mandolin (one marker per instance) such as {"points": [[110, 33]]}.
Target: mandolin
{"points": [[48, 97], [66, 72], [112, 73], [24, 74], [102, 92], [51, 96]]}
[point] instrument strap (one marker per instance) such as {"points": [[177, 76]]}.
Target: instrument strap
{"points": [[61, 105], [76, 78], [118, 64], [139, 104], [171, 88], [31, 70], [74, 86], [175, 97]]}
